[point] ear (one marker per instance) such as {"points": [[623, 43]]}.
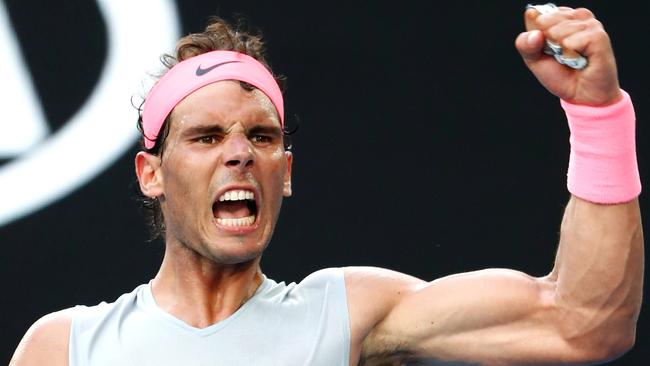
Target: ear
{"points": [[287, 174], [147, 169]]}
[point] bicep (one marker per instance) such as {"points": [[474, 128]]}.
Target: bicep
{"points": [[493, 316], [45, 342]]}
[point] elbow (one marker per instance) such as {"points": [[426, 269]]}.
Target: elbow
{"points": [[622, 347], [602, 352], [604, 345], [617, 334], [617, 345], [593, 337]]}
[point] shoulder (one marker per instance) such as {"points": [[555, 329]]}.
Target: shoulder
{"points": [[46, 341], [385, 287], [324, 285], [372, 294], [324, 277], [86, 317], [362, 278]]}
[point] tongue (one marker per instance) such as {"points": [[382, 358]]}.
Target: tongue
{"points": [[231, 210]]}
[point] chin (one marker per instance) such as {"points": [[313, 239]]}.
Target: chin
{"points": [[235, 251]]}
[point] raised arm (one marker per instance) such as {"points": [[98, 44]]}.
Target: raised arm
{"points": [[586, 309]]}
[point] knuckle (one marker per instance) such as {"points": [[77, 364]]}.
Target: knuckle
{"points": [[593, 23], [583, 13], [597, 24], [601, 35]]}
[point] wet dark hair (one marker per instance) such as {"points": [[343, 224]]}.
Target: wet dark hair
{"points": [[218, 35]]}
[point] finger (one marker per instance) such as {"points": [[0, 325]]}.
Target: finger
{"points": [[577, 13], [560, 31], [530, 15], [530, 45], [583, 14], [546, 21], [589, 42]]}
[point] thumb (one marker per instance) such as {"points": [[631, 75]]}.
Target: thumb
{"points": [[530, 45]]}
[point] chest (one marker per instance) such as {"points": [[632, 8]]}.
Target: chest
{"points": [[291, 334]]}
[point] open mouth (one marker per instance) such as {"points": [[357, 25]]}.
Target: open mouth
{"points": [[235, 208]]}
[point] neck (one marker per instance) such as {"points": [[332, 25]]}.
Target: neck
{"points": [[201, 292]]}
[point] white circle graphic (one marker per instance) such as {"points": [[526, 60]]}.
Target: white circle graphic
{"points": [[104, 128]]}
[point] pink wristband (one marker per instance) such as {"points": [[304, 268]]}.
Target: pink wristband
{"points": [[602, 165]]}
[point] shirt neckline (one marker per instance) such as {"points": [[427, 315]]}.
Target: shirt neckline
{"points": [[147, 302]]}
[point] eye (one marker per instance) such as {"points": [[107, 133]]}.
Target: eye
{"points": [[261, 139], [209, 140]]}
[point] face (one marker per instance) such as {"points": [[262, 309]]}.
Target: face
{"points": [[223, 173]]}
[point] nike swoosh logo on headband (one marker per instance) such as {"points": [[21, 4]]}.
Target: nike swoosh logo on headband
{"points": [[200, 71]]}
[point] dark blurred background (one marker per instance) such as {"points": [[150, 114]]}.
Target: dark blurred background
{"points": [[424, 146]]}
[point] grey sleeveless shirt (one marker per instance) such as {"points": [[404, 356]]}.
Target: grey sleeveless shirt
{"points": [[283, 325]]}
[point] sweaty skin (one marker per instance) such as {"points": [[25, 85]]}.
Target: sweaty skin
{"points": [[583, 311], [229, 140]]}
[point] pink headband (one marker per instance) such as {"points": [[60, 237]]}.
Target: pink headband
{"points": [[197, 72]]}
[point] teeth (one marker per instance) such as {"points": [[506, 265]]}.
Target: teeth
{"points": [[244, 221], [237, 195]]}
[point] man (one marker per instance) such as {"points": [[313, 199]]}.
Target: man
{"points": [[214, 163]]}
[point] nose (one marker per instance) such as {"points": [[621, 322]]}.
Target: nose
{"points": [[238, 152]]}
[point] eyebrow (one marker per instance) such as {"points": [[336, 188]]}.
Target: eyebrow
{"points": [[216, 129], [271, 130], [203, 130]]}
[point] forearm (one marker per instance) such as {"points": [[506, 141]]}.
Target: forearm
{"points": [[599, 270]]}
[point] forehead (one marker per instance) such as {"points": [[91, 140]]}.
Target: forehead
{"points": [[226, 102]]}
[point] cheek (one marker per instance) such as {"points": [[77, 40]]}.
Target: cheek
{"points": [[274, 168], [180, 184], [277, 154], [279, 161]]}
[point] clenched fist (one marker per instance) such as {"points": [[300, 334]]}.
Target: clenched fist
{"points": [[576, 30]]}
